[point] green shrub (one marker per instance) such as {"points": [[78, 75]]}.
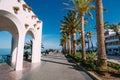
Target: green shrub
{"points": [[90, 61], [113, 65], [77, 57], [88, 65]]}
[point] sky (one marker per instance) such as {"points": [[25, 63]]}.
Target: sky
{"points": [[52, 11]]}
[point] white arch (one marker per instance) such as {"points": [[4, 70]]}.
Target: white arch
{"points": [[36, 54], [12, 18], [31, 31], [14, 24], [11, 23]]}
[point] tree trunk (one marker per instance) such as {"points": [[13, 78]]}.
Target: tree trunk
{"points": [[62, 49], [71, 44], [83, 37], [102, 60], [65, 47], [68, 44], [88, 44], [74, 43], [91, 44]]}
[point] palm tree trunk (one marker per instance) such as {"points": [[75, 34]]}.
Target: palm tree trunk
{"points": [[71, 44], [88, 44], [68, 44], [83, 37], [102, 60], [65, 47], [92, 44], [62, 48], [74, 43]]}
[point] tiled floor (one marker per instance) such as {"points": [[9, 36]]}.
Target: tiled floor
{"points": [[8, 73], [52, 67]]}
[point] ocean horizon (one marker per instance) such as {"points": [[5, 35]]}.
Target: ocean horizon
{"points": [[5, 51], [3, 55]]}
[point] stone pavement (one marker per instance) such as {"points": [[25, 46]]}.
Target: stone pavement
{"points": [[8, 73], [52, 67], [56, 67], [115, 59]]}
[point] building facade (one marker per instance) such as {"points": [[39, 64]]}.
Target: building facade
{"points": [[17, 18], [112, 42]]}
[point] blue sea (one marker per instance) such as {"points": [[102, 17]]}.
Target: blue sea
{"points": [[4, 53]]}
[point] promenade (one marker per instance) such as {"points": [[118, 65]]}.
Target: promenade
{"points": [[56, 67], [53, 67], [114, 59]]}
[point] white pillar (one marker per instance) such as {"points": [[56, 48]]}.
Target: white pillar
{"points": [[19, 59], [36, 54], [39, 43], [34, 51], [14, 51]]}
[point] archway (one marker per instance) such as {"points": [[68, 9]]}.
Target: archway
{"points": [[29, 46], [8, 24], [5, 46]]}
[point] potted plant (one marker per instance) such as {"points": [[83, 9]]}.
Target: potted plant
{"points": [[24, 6], [38, 28], [26, 26], [33, 17], [35, 25], [16, 9], [19, 0], [38, 21], [29, 9]]}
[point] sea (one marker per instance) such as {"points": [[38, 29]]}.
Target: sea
{"points": [[4, 51], [4, 55]]}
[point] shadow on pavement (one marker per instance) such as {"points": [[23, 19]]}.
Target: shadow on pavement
{"points": [[56, 62]]}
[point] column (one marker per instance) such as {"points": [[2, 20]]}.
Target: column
{"points": [[19, 58], [14, 51]]}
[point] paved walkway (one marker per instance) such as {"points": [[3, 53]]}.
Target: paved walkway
{"points": [[115, 59], [53, 67], [56, 67]]}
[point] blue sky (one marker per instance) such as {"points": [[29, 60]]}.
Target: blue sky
{"points": [[52, 11]]}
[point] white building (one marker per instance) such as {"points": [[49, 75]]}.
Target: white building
{"points": [[112, 42], [17, 18]]}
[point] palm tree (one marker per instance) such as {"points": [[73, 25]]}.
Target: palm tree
{"points": [[87, 36], [79, 41], [65, 30], [72, 21], [106, 25], [63, 42], [83, 7], [90, 35], [102, 60], [28, 45], [42, 46], [115, 27]]}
